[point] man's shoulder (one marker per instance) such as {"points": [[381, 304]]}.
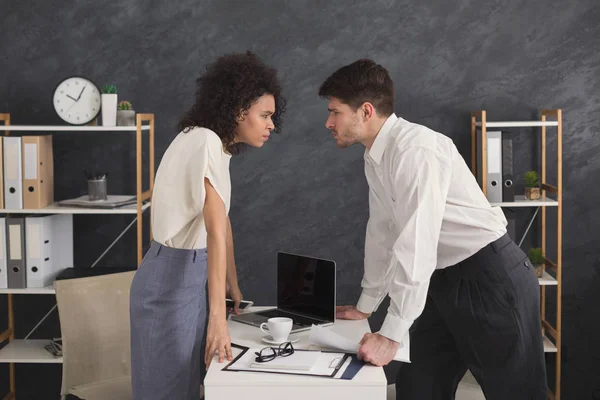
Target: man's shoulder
{"points": [[410, 136], [410, 133]]}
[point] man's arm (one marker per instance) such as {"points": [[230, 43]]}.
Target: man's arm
{"points": [[378, 253], [421, 182]]}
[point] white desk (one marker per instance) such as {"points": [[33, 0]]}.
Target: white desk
{"points": [[370, 382]]}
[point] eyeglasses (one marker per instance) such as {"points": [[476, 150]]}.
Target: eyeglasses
{"points": [[270, 353]]}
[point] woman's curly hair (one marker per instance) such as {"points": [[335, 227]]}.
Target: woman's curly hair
{"points": [[229, 86]]}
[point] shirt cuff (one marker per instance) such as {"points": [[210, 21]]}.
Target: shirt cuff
{"points": [[367, 304], [395, 328]]}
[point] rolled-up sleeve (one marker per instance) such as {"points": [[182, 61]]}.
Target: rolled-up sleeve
{"points": [[421, 181]]}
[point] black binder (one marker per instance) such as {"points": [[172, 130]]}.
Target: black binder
{"points": [[508, 188], [15, 252]]}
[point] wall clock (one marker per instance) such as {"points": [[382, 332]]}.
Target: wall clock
{"points": [[77, 100]]}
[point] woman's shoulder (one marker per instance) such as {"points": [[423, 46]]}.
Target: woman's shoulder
{"points": [[202, 136]]}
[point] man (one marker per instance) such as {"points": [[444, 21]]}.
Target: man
{"points": [[467, 292]]}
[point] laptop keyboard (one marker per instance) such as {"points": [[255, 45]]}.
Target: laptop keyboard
{"points": [[298, 320]]}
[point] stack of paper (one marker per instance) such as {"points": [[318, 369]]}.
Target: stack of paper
{"points": [[300, 360], [324, 336]]}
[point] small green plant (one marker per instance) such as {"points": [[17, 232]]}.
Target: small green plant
{"points": [[109, 89], [124, 105], [532, 179], [536, 256]]}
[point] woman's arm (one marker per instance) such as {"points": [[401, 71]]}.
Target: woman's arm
{"points": [[215, 218], [232, 282]]}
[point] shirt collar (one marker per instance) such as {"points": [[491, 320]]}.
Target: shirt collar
{"points": [[380, 142]]}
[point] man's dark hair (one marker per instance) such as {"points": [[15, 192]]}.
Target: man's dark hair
{"points": [[360, 82], [230, 85]]}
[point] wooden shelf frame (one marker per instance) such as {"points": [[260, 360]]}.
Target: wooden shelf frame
{"points": [[549, 118], [144, 122]]}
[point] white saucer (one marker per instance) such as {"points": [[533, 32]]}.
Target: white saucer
{"points": [[269, 339]]}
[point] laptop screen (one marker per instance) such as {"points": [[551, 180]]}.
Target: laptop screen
{"points": [[306, 285]]}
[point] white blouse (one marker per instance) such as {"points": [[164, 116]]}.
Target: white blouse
{"points": [[179, 194]]}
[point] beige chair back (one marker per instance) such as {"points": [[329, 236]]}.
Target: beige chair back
{"points": [[94, 323]]}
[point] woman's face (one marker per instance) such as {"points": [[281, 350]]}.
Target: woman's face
{"points": [[255, 126]]}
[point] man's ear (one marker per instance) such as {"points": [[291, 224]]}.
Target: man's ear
{"points": [[367, 111]]}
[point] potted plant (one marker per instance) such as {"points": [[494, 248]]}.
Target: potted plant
{"points": [[125, 114], [532, 185], [109, 105], [536, 256]]}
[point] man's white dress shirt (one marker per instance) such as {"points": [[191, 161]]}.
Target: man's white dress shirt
{"points": [[426, 211]]}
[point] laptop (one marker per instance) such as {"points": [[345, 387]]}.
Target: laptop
{"points": [[305, 293]]}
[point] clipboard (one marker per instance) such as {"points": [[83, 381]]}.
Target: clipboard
{"points": [[347, 363]]}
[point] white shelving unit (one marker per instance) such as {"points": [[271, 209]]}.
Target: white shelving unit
{"points": [[549, 347], [43, 290], [69, 128], [21, 351], [58, 209], [548, 280], [32, 350], [516, 124], [521, 201], [552, 334]]}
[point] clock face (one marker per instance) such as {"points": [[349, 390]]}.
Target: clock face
{"points": [[77, 100]]}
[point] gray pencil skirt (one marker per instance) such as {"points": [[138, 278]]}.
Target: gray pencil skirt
{"points": [[168, 313]]}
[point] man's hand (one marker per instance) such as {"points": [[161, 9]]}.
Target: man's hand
{"points": [[235, 294], [377, 350], [349, 312]]}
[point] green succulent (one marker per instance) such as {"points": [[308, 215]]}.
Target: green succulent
{"points": [[532, 179], [536, 256], [109, 89], [125, 105]]}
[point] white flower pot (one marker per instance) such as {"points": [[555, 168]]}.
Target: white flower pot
{"points": [[109, 109]]}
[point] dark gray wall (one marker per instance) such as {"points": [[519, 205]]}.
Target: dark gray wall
{"points": [[300, 193]]}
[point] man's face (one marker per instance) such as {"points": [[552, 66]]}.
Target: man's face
{"points": [[344, 123]]}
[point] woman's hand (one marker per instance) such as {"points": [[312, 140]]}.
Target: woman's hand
{"points": [[218, 340], [235, 294]]}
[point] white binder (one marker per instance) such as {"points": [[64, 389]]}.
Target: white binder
{"points": [[39, 241], [494, 165], [13, 173], [49, 241], [62, 232], [3, 264]]}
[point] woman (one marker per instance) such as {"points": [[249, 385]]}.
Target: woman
{"points": [[238, 103]]}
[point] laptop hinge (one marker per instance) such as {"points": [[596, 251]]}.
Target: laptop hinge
{"points": [[304, 315]]}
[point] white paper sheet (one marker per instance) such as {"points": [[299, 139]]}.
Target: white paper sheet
{"points": [[324, 336], [325, 365]]}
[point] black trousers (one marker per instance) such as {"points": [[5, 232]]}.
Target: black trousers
{"points": [[482, 314]]}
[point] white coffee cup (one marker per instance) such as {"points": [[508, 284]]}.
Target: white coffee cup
{"points": [[279, 328]]}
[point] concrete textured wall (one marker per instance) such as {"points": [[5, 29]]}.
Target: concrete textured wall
{"points": [[300, 193]]}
